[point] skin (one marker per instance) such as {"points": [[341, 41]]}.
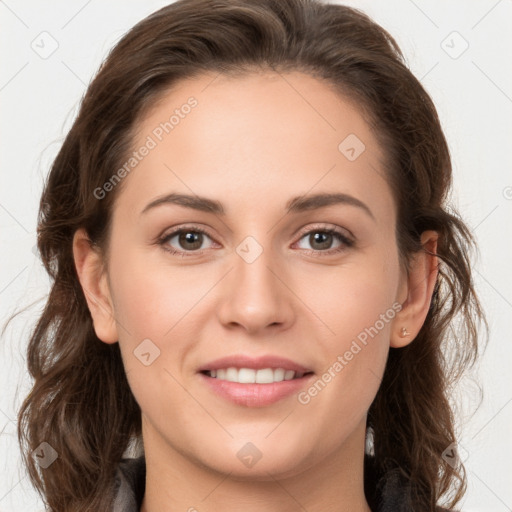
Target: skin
{"points": [[253, 143]]}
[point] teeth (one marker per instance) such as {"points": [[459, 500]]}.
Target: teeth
{"points": [[251, 376], [289, 374], [265, 376], [279, 374], [232, 375]]}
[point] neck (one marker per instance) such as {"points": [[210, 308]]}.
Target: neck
{"points": [[175, 482]]}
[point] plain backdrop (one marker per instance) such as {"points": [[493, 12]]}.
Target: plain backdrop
{"points": [[460, 50]]}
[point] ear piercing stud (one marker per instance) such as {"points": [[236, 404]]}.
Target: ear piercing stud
{"points": [[404, 332]]}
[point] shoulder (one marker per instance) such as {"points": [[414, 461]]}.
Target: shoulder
{"points": [[389, 491], [129, 486]]}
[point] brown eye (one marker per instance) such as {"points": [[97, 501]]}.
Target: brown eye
{"points": [[190, 240], [185, 240], [323, 240]]}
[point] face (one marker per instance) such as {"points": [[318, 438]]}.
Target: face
{"points": [[282, 259]]}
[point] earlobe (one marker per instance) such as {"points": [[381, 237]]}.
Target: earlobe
{"points": [[419, 286], [93, 279]]}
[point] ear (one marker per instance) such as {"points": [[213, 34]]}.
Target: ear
{"points": [[93, 279], [416, 290]]}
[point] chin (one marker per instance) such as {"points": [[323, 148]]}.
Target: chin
{"points": [[247, 462]]}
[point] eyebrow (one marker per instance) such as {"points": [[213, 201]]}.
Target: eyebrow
{"points": [[295, 205], [312, 202]]}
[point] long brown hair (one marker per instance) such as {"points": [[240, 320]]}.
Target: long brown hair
{"points": [[81, 403]]}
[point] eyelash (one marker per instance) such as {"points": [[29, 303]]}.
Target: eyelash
{"points": [[347, 242]]}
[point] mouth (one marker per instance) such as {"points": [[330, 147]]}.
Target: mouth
{"points": [[254, 382], [255, 376]]}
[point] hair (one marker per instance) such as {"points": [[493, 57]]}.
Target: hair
{"points": [[80, 402]]}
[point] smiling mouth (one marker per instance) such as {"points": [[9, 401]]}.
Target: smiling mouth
{"points": [[253, 376]]}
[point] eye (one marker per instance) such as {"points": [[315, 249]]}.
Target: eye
{"points": [[189, 241], [322, 240], [185, 240]]}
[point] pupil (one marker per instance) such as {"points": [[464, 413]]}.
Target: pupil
{"points": [[191, 238], [321, 239]]}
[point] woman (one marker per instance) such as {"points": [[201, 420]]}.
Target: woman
{"points": [[255, 274]]}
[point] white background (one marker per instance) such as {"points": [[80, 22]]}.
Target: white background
{"points": [[473, 94]]}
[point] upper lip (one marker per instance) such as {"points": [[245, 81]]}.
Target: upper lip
{"points": [[256, 363]]}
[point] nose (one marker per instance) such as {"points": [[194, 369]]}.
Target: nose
{"points": [[255, 296]]}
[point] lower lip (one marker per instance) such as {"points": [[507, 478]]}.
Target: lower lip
{"points": [[255, 395]]}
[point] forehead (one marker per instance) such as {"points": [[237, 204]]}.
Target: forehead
{"points": [[260, 135]]}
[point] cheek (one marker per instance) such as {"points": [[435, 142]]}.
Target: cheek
{"points": [[156, 307], [354, 297], [150, 297], [150, 312], [359, 306]]}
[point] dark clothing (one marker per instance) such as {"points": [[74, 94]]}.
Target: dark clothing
{"points": [[386, 493], [130, 484]]}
